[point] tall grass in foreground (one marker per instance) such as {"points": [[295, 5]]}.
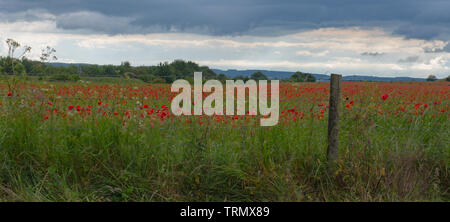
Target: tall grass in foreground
{"points": [[98, 158]]}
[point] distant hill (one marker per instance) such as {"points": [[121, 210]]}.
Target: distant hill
{"points": [[320, 77], [231, 73], [63, 64], [282, 74]]}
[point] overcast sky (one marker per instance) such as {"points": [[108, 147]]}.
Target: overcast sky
{"points": [[383, 37]]}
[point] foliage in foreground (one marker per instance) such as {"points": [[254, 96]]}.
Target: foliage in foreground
{"points": [[84, 142]]}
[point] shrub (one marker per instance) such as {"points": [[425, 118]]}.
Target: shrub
{"points": [[63, 77], [158, 80], [302, 77], [431, 78]]}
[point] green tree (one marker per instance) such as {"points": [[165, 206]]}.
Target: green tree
{"points": [[50, 70], [431, 78], [6, 63], [302, 77], [125, 67], [126, 64], [164, 71], [13, 46], [109, 70], [158, 80], [207, 73], [245, 78], [222, 77], [19, 68], [258, 76], [37, 69]]}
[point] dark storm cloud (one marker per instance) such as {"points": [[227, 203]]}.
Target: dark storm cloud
{"points": [[409, 18]]}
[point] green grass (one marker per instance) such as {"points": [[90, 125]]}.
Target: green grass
{"points": [[382, 158]]}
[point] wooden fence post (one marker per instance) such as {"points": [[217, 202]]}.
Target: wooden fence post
{"points": [[333, 121]]}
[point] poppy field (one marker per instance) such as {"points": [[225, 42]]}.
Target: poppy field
{"points": [[91, 141]]}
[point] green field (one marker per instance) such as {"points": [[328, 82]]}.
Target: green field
{"points": [[121, 144]]}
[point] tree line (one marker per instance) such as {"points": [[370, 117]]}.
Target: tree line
{"points": [[16, 63]]}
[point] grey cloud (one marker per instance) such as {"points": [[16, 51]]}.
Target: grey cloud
{"points": [[446, 48], [424, 31], [409, 18], [27, 15], [409, 59], [372, 54], [94, 21]]}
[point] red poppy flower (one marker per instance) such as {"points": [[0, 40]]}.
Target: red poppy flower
{"points": [[384, 97], [71, 107], [9, 93]]}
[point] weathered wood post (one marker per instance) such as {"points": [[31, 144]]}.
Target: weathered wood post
{"points": [[333, 121]]}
